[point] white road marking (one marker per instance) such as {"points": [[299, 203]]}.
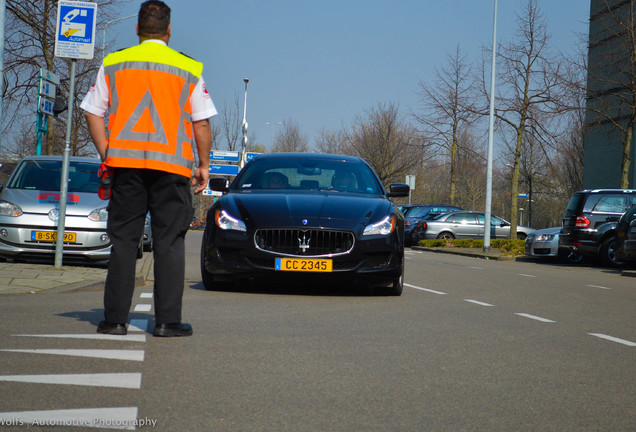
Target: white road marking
{"points": [[133, 355], [527, 275], [143, 307], [138, 325], [613, 339], [598, 286], [120, 380], [534, 317], [476, 268], [478, 302], [146, 295], [98, 336], [425, 289], [104, 418]]}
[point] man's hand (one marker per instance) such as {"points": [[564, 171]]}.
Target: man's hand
{"points": [[200, 179]]}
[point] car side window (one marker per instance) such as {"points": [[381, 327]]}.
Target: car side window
{"points": [[465, 218], [611, 204]]}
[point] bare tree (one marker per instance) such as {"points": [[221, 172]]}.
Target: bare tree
{"points": [[392, 147], [529, 90], [612, 78], [231, 122], [290, 139], [29, 46], [331, 142], [444, 112]]}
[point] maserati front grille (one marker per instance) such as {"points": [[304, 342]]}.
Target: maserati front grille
{"points": [[299, 242]]}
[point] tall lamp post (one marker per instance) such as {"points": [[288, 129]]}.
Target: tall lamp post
{"points": [[491, 127], [273, 125], [244, 147], [3, 7], [112, 22]]}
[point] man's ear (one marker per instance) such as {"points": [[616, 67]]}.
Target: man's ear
{"points": [[169, 31], [137, 29]]}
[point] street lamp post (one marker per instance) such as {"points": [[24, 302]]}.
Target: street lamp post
{"points": [[488, 209], [273, 125], [112, 22]]}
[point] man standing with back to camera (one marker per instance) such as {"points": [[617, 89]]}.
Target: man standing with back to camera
{"points": [[157, 102]]}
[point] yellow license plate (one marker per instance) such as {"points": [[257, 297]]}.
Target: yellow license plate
{"points": [[51, 236], [304, 265]]}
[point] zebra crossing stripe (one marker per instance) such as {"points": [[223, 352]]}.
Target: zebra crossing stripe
{"points": [[132, 355], [104, 418], [96, 336], [120, 380]]}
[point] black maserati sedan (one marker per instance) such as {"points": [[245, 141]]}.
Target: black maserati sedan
{"points": [[303, 216]]}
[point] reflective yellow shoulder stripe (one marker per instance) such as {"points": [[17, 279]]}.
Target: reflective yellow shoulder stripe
{"points": [[155, 53]]}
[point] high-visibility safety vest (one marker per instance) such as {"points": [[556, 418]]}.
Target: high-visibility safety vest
{"points": [[150, 123]]}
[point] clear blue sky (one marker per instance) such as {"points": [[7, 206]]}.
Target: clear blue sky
{"points": [[321, 63]]}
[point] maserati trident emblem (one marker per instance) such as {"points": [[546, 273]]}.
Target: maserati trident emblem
{"points": [[304, 243]]}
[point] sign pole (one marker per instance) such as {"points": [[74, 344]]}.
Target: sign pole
{"points": [[59, 243]]}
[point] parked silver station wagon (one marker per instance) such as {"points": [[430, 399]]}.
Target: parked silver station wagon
{"points": [[29, 210]]}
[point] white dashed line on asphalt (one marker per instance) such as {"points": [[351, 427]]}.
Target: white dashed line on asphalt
{"points": [[613, 339], [425, 289], [598, 286], [146, 295], [527, 275], [96, 336], [534, 317], [109, 418], [143, 307], [476, 268], [478, 302]]}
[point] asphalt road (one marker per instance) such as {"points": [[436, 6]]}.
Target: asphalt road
{"points": [[471, 345]]}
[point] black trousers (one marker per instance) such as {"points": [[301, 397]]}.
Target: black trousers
{"points": [[169, 200]]}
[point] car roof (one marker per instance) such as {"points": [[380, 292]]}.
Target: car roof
{"points": [[59, 158], [307, 156], [592, 191]]}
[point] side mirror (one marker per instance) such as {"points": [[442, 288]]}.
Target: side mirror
{"points": [[631, 224], [505, 224], [1, 186], [398, 190], [218, 184]]}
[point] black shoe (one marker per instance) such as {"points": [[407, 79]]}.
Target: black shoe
{"points": [[106, 327], [174, 329]]}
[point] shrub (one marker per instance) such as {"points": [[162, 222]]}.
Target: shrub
{"points": [[505, 246]]}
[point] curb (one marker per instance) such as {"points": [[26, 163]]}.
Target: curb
{"points": [[475, 253]]}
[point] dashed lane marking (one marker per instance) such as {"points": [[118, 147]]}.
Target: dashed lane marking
{"points": [[146, 295], [120, 380], [133, 355], [424, 289], [527, 275], [534, 317], [613, 339], [598, 286], [143, 307], [478, 302]]}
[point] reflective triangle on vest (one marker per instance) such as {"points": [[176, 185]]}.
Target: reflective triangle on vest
{"points": [[144, 123]]}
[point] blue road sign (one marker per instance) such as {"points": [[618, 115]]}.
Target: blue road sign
{"points": [[224, 169], [250, 156], [522, 195], [75, 32], [221, 155]]}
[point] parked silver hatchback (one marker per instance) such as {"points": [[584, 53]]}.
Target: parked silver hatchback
{"points": [[29, 210]]}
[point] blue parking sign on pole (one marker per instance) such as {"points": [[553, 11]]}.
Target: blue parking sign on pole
{"points": [[75, 31]]}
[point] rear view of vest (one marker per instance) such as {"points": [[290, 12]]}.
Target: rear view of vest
{"points": [[150, 114]]}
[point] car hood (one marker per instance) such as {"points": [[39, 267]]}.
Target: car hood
{"points": [[41, 202], [318, 209]]}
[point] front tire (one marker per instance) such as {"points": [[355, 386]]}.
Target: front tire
{"points": [[397, 286], [445, 236]]}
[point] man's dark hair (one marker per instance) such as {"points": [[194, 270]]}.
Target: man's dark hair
{"points": [[154, 18]]}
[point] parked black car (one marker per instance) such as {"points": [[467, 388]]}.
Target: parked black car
{"points": [[415, 216], [326, 217], [590, 220], [626, 237]]}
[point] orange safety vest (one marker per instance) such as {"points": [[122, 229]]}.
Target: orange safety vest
{"points": [[150, 123]]}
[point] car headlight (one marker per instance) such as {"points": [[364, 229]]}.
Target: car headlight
{"points": [[10, 209], [545, 237], [227, 222], [99, 215], [384, 227]]}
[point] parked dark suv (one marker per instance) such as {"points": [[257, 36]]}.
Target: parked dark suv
{"points": [[590, 219]]}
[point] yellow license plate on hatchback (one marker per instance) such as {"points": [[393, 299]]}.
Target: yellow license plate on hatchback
{"points": [[304, 265], [51, 236]]}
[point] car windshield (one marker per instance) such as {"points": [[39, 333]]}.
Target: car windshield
{"points": [[307, 174], [45, 175]]}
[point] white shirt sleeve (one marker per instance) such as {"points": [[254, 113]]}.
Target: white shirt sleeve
{"points": [[201, 102], [96, 100]]}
